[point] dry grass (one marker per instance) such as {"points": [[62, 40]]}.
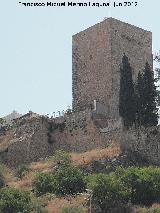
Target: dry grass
{"points": [[25, 183], [8, 174], [78, 159], [40, 166], [96, 154], [155, 206], [57, 204]]}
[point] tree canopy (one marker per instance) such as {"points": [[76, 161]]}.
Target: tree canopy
{"points": [[127, 96], [146, 94]]}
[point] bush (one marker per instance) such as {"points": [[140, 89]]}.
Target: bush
{"points": [[62, 158], [21, 170], [69, 181], [14, 201], [72, 210], [65, 181], [139, 185], [108, 192], [43, 183], [144, 183]]}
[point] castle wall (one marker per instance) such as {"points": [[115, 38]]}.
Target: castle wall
{"points": [[38, 138], [97, 55], [143, 144], [79, 134]]}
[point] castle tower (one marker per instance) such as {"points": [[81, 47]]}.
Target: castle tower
{"points": [[96, 57]]}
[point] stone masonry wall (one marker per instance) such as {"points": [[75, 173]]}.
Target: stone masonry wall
{"points": [[37, 138], [97, 55], [28, 144], [143, 144], [79, 132]]}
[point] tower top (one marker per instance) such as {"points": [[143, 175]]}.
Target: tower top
{"points": [[108, 20]]}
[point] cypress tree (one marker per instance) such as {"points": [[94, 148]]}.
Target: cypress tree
{"points": [[149, 98], [126, 95], [139, 99]]}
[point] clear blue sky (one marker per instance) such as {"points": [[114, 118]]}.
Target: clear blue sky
{"points": [[36, 50]]}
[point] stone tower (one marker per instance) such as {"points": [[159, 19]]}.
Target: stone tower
{"points": [[96, 57]]}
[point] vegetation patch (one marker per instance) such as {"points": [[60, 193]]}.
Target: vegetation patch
{"points": [[136, 186], [72, 210], [13, 200], [22, 170]]}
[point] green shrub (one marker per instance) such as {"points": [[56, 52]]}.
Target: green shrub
{"points": [[69, 181], [137, 185], [21, 170], [62, 158], [107, 192], [72, 210], [14, 201], [65, 181], [43, 183], [144, 183]]}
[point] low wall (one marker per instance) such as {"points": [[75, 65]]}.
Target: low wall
{"points": [[40, 137], [143, 144]]}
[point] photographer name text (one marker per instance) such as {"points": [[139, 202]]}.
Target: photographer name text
{"points": [[80, 4]]}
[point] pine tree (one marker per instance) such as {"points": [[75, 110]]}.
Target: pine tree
{"points": [[126, 95], [148, 97]]}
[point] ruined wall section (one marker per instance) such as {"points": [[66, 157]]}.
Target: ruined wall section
{"points": [[28, 144], [91, 56], [136, 43], [77, 133], [143, 144], [37, 138]]}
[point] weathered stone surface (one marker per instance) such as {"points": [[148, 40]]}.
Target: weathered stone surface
{"points": [[143, 144], [39, 137], [28, 143], [97, 55]]}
